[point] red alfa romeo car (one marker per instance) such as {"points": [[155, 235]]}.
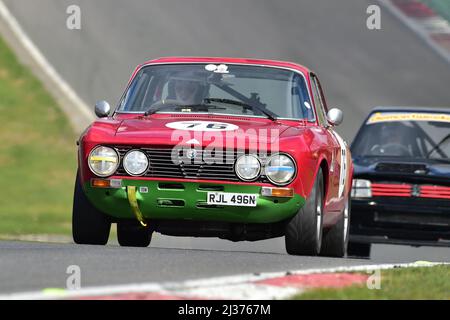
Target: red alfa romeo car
{"points": [[238, 149]]}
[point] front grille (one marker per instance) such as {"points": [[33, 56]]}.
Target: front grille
{"points": [[410, 190], [435, 192], [166, 163], [390, 167], [391, 190]]}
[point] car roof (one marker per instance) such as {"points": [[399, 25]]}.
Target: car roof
{"points": [[225, 60], [410, 108]]}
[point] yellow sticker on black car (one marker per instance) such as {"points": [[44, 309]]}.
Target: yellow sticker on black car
{"points": [[407, 116]]}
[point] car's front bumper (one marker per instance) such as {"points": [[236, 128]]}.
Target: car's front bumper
{"points": [[403, 221], [182, 200]]}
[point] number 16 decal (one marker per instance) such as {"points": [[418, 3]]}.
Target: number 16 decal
{"points": [[202, 126]]}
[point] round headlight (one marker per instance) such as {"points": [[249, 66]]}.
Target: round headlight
{"points": [[103, 161], [280, 169], [135, 163], [248, 167]]}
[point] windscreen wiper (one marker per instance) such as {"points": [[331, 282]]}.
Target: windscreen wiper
{"points": [[152, 110], [272, 116]]}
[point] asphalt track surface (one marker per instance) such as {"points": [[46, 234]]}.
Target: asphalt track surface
{"points": [[359, 69]]}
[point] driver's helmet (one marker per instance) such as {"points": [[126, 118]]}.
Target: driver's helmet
{"points": [[188, 87], [394, 139], [393, 132]]}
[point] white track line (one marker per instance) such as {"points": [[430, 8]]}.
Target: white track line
{"points": [[417, 28], [84, 114], [237, 287], [242, 291]]}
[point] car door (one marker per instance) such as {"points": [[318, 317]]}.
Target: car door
{"points": [[332, 149]]}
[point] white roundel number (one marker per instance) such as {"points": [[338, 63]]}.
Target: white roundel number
{"points": [[201, 126]]}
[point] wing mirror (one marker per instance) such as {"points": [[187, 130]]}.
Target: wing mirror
{"points": [[102, 109], [335, 116]]}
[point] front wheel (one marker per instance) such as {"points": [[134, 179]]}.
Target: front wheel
{"points": [[89, 225], [303, 234], [335, 240]]}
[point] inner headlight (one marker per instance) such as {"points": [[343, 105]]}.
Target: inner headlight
{"points": [[103, 161], [280, 169], [248, 167], [361, 188], [135, 163]]}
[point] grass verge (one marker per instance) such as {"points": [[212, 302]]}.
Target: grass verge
{"points": [[442, 7], [37, 154], [425, 283]]}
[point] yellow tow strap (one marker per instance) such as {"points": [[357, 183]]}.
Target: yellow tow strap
{"points": [[131, 192]]}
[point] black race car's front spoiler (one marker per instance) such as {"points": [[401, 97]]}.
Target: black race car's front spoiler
{"points": [[410, 221]]}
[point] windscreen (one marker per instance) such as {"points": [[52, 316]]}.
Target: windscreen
{"points": [[221, 89], [416, 135]]}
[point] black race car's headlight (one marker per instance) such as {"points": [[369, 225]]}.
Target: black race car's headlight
{"points": [[361, 188], [280, 169], [103, 161], [135, 162], [248, 167]]}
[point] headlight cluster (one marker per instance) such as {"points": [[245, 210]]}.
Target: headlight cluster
{"points": [[104, 161], [361, 188], [280, 169], [135, 162], [248, 167]]}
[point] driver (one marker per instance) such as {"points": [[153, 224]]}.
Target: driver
{"points": [[186, 91], [394, 140], [188, 88]]}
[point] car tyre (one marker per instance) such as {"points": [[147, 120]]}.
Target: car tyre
{"points": [[356, 249], [303, 235], [89, 225], [335, 240], [133, 235]]}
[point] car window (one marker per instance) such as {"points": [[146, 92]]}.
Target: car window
{"points": [[283, 92], [318, 102], [136, 95], [323, 101]]}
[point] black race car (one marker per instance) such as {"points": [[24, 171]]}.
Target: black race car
{"points": [[401, 186]]}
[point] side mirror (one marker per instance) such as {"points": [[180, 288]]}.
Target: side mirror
{"points": [[102, 109], [335, 117]]}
